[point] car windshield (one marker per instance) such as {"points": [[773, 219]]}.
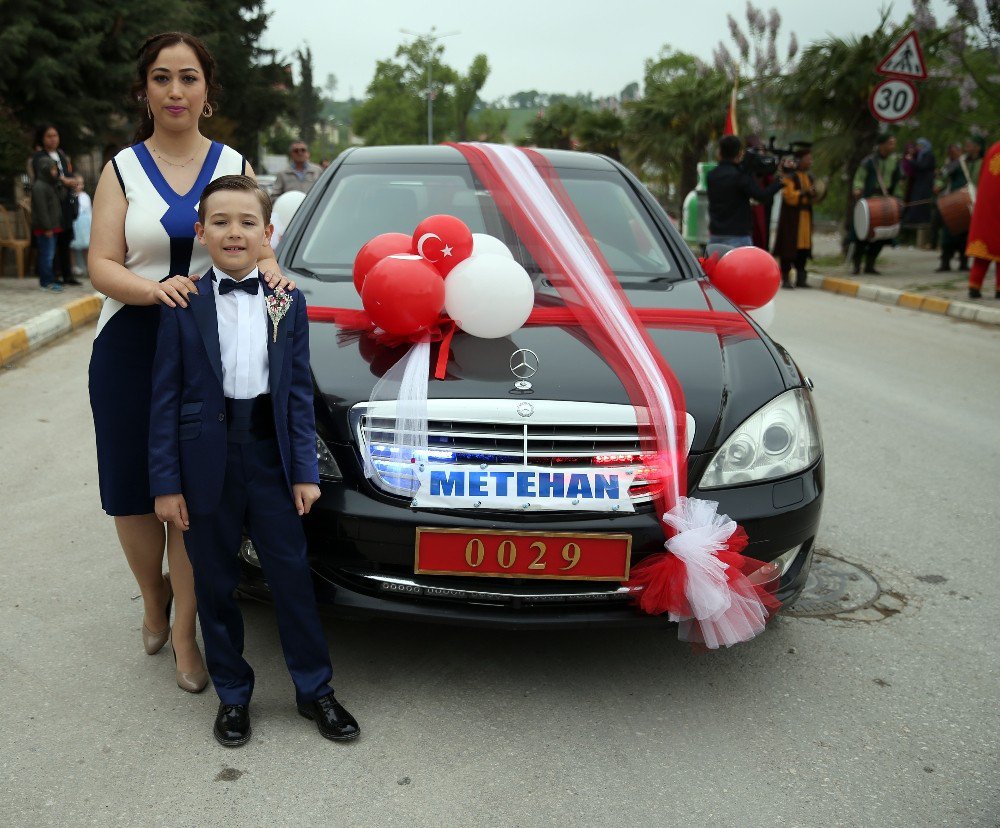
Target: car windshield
{"points": [[366, 200]]}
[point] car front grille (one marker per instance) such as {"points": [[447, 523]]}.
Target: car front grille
{"points": [[549, 433]]}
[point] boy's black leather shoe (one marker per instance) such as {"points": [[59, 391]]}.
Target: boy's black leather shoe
{"points": [[332, 720], [232, 725]]}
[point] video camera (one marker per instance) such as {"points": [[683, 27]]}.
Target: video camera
{"points": [[763, 161]]}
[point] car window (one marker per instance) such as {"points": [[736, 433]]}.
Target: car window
{"points": [[366, 200]]}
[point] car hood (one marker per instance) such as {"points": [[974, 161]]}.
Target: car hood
{"points": [[725, 379]]}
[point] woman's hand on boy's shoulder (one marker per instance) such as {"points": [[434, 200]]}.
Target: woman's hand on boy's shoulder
{"points": [[175, 290], [276, 280]]}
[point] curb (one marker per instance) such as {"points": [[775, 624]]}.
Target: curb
{"points": [[23, 339], [904, 299]]}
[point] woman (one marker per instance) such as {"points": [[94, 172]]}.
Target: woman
{"points": [[141, 252], [47, 146]]}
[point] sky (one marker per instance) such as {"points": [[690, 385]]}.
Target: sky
{"points": [[565, 46]]}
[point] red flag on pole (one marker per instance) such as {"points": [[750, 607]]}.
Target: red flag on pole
{"points": [[731, 127]]}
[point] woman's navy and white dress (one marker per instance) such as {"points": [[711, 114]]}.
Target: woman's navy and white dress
{"points": [[160, 242]]}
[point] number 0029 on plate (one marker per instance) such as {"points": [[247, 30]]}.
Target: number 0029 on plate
{"points": [[571, 556]]}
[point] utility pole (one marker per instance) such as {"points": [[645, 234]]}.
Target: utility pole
{"points": [[431, 38]]}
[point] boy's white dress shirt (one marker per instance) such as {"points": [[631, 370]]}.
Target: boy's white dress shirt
{"points": [[242, 320]]}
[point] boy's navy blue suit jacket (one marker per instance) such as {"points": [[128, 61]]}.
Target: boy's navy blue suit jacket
{"points": [[187, 418]]}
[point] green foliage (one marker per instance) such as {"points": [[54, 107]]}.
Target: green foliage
{"points": [[670, 128], [554, 126], [72, 61], [467, 94], [488, 125], [395, 111], [601, 131], [307, 98]]}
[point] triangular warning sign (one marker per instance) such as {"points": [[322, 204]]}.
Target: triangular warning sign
{"points": [[906, 60]]}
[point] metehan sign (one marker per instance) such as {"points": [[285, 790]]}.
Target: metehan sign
{"points": [[526, 488]]}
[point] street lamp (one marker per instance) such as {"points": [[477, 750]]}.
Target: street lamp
{"points": [[431, 39]]}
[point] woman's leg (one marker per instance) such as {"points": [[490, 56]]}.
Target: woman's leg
{"points": [[185, 606], [142, 539]]}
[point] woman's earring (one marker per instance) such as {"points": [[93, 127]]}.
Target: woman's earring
{"points": [[207, 110], [149, 112]]}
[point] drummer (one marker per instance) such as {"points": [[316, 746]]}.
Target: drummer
{"points": [[877, 175], [951, 179]]}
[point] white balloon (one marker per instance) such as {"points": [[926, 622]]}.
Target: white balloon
{"points": [[285, 206], [489, 295], [764, 315], [485, 243]]}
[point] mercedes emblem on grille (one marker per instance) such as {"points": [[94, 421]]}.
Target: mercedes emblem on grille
{"points": [[525, 409], [523, 364]]}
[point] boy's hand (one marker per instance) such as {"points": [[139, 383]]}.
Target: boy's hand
{"points": [[173, 509], [305, 494]]}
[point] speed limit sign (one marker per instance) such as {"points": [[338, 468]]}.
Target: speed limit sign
{"points": [[893, 100]]}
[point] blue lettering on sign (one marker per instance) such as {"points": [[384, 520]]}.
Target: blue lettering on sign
{"points": [[606, 486], [501, 478], [447, 483], [477, 484], [526, 484], [551, 484], [579, 486]]}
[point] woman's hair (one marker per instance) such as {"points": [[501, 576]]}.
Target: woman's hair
{"points": [[147, 53], [40, 133]]}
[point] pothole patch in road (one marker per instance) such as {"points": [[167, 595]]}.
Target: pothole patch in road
{"points": [[841, 590]]}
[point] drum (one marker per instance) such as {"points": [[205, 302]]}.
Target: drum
{"points": [[956, 211], [877, 218]]}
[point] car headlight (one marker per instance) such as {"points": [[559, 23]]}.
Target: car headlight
{"points": [[782, 438], [328, 468]]}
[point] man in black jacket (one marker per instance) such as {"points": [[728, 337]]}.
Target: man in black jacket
{"points": [[730, 189]]}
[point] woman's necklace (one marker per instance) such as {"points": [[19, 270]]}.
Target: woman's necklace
{"points": [[166, 160]]}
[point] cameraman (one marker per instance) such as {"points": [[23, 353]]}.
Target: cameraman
{"points": [[730, 188]]}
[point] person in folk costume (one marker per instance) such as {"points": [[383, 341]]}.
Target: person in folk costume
{"points": [[877, 175], [793, 240], [984, 231], [951, 179]]}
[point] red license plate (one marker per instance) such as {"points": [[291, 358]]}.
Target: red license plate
{"points": [[574, 556]]}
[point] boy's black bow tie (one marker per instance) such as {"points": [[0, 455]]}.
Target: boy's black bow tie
{"points": [[249, 285]]}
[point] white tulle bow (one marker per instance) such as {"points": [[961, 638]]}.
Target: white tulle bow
{"points": [[724, 612]]}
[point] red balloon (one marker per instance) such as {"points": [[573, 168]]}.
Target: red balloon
{"points": [[748, 276], [444, 241], [403, 294], [376, 249]]}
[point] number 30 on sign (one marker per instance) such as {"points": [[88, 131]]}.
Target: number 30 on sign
{"points": [[893, 100]]}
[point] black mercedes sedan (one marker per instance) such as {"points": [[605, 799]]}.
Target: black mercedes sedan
{"points": [[541, 397]]}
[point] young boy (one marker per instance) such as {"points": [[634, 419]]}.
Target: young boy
{"points": [[233, 444], [46, 222]]}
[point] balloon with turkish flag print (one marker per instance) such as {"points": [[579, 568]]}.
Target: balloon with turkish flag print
{"points": [[444, 241], [748, 276], [403, 294], [376, 249]]}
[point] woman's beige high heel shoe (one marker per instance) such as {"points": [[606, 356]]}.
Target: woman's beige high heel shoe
{"points": [[190, 682], [153, 642]]}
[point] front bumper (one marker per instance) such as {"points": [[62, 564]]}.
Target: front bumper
{"points": [[361, 548]]}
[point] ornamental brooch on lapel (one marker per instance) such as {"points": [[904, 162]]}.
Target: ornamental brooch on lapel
{"points": [[278, 304]]}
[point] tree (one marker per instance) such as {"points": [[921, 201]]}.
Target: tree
{"points": [[308, 99], [395, 111], [488, 125], [525, 100], [553, 127], [833, 106], [682, 109], [600, 131], [757, 63], [467, 94]]}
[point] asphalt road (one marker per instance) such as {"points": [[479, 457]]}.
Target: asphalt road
{"points": [[820, 722]]}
